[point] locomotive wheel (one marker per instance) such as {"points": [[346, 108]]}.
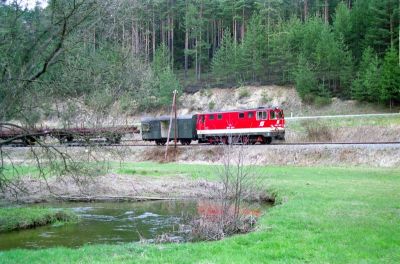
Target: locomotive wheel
{"points": [[245, 140], [267, 140]]}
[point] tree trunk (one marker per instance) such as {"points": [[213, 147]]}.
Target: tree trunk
{"points": [[162, 32], [137, 48], [305, 9], [154, 35], [133, 37], [186, 50], [94, 40], [326, 12], [172, 43], [200, 37], [317, 5], [196, 59], [123, 35], [242, 26]]}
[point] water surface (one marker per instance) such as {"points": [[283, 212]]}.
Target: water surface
{"points": [[102, 223], [113, 223]]}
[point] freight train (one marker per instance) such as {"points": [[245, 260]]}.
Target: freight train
{"points": [[250, 126]]}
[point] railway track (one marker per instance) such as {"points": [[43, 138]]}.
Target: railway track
{"points": [[128, 143]]}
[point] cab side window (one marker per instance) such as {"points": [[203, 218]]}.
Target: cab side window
{"points": [[250, 114], [241, 115], [261, 115], [211, 117]]}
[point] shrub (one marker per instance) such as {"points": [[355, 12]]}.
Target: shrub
{"points": [[320, 101], [211, 105], [264, 98], [243, 93], [316, 131]]}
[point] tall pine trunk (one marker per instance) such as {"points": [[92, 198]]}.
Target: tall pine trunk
{"points": [[305, 9], [326, 12], [153, 39], [186, 50]]}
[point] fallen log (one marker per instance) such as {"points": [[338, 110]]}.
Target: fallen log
{"points": [[111, 198]]}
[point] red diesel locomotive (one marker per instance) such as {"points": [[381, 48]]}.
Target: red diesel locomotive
{"points": [[241, 126]]}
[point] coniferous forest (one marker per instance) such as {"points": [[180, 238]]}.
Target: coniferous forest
{"points": [[137, 51]]}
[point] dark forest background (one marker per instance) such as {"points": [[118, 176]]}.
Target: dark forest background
{"points": [[137, 52]]}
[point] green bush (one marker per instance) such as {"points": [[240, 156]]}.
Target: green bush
{"points": [[320, 101], [264, 98], [243, 93], [211, 105]]}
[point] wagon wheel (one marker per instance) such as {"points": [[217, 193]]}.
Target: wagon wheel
{"points": [[29, 140], [114, 139]]}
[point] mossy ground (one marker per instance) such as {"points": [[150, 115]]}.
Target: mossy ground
{"points": [[17, 218]]}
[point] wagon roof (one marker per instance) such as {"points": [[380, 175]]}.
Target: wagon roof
{"points": [[165, 118]]}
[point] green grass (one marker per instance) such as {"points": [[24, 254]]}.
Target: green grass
{"points": [[16, 218], [297, 125], [11, 172], [323, 215], [165, 170]]}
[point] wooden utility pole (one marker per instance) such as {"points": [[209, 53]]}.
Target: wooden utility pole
{"points": [[173, 109], [176, 121]]}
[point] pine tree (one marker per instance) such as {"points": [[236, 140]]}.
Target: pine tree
{"points": [[223, 63], [165, 80], [342, 23], [253, 51], [367, 84], [390, 78], [305, 80], [383, 28]]}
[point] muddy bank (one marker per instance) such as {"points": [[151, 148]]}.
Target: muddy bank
{"points": [[111, 187]]}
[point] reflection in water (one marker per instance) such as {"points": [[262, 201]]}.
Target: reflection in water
{"points": [[109, 223]]}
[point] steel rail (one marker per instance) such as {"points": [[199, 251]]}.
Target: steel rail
{"points": [[77, 145]]}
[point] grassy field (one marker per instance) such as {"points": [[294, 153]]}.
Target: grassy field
{"points": [[323, 215], [17, 218], [384, 121]]}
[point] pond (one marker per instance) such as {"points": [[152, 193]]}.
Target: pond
{"points": [[109, 223]]}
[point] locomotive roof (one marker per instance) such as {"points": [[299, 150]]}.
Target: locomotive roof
{"points": [[243, 110]]}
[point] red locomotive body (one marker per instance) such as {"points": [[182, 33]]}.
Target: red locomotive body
{"points": [[247, 126]]}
